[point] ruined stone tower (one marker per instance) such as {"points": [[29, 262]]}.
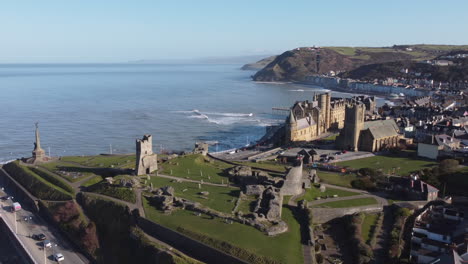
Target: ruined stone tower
{"points": [[146, 160], [353, 124], [38, 154]]}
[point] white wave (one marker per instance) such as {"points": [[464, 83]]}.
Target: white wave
{"points": [[201, 116], [227, 118], [7, 161], [297, 90]]}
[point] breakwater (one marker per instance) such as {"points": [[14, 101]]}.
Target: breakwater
{"points": [[353, 86]]}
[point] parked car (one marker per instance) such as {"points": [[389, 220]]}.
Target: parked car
{"points": [[47, 243], [323, 155], [58, 257], [338, 153], [39, 237], [331, 158]]}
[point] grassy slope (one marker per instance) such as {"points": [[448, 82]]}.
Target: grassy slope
{"points": [[220, 198], [92, 181], [403, 165], [190, 166], [38, 186], [336, 178], [349, 203], [369, 221], [285, 247]]}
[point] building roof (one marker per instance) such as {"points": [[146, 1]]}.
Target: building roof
{"points": [[382, 128], [305, 122]]}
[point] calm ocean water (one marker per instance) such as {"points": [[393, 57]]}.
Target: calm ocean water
{"points": [[84, 108]]}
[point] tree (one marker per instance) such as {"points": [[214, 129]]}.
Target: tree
{"points": [[448, 166]]}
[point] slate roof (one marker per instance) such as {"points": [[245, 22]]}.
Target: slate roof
{"points": [[382, 128], [305, 122]]}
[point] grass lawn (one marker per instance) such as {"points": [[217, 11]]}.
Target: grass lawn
{"points": [[402, 165], [196, 167], [75, 173], [221, 199], [103, 161], [349, 203], [332, 137], [367, 225], [284, 247], [246, 204], [314, 192], [336, 178], [92, 181]]}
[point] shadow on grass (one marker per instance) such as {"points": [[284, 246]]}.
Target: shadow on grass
{"points": [[300, 217]]}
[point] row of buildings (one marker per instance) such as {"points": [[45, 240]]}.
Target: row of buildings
{"points": [[440, 235]]}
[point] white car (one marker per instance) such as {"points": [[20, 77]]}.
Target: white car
{"points": [[47, 243], [58, 257]]}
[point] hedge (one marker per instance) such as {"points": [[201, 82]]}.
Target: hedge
{"points": [[35, 184], [122, 193]]}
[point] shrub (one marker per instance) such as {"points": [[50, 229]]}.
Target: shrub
{"points": [[35, 184], [122, 193], [72, 221], [364, 184], [361, 251]]}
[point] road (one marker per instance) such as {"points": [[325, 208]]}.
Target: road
{"points": [[25, 229]]}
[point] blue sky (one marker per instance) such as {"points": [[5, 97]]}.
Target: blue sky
{"points": [[118, 31]]}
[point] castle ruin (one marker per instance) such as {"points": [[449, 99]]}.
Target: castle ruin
{"points": [[146, 160]]}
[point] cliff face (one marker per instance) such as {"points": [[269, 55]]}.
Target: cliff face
{"points": [[295, 65], [258, 65]]}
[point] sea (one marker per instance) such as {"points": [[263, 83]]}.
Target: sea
{"points": [[90, 109]]}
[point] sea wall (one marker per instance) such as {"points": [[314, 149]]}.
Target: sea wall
{"points": [[185, 244], [347, 85]]}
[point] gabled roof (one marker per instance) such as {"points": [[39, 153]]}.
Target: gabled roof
{"points": [[382, 128]]}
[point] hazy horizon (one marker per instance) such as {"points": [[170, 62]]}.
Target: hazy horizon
{"points": [[113, 32]]}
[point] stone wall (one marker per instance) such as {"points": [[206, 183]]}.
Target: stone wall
{"points": [[8, 234], [323, 215], [185, 244]]}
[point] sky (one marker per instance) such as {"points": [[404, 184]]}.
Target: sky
{"points": [[107, 31]]}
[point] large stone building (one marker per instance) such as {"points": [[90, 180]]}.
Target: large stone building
{"points": [[367, 136], [146, 160], [309, 119]]}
